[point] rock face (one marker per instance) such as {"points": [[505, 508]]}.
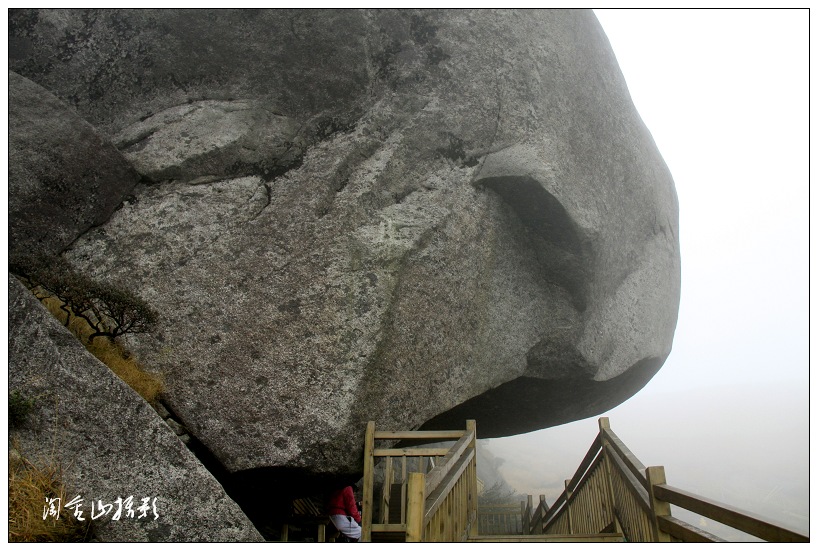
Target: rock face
{"points": [[411, 217], [109, 442], [209, 140], [63, 176]]}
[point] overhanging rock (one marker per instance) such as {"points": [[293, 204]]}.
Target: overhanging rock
{"points": [[470, 216]]}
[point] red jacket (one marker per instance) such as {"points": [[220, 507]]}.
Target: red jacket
{"points": [[342, 502]]}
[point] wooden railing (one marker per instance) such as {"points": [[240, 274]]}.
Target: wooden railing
{"points": [[532, 518], [612, 491], [426, 494], [500, 519]]}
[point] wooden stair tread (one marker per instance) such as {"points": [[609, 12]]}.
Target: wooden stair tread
{"points": [[388, 537], [549, 538]]}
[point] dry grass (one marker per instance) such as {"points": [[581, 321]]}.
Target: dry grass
{"points": [[122, 363], [30, 486], [147, 385]]}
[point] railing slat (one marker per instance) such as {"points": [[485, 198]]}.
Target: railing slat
{"points": [[732, 516], [490, 515]]}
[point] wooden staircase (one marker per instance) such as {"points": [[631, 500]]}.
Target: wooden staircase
{"points": [[613, 489], [423, 493], [430, 494]]}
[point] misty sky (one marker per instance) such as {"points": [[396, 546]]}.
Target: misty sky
{"points": [[725, 95]]}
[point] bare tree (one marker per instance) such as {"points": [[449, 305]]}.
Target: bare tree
{"points": [[109, 310]]}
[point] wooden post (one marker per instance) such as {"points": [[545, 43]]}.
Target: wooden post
{"points": [[604, 423], [528, 514], [544, 508], [285, 532], [656, 475], [415, 508], [568, 506], [322, 533], [471, 426], [403, 482], [369, 482]]}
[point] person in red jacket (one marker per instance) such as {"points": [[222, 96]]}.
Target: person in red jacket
{"points": [[344, 513]]}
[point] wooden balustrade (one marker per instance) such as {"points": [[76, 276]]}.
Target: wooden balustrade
{"points": [[500, 519], [612, 491], [745, 521], [427, 494], [430, 494]]}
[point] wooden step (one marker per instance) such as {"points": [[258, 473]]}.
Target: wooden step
{"points": [[388, 533], [388, 537], [550, 538]]}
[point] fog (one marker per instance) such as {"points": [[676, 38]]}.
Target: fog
{"points": [[725, 95], [744, 445]]}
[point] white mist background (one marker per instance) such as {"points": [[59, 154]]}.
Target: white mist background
{"points": [[725, 94]]}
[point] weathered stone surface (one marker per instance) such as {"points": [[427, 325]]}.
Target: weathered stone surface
{"points": [[63, 176], [480, 224], [206, 140], [109, 442], [117, 67]]}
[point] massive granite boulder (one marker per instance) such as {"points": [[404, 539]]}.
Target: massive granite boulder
{"points": [[63, 176], [108, 442], [414, 217]]}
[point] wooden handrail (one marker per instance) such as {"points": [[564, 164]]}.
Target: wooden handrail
{"points": [[633, 464], [418, 434], [622, 459], [435, 498], [556, 509], [645, 513], [536, 517], [499, 507], [586, 462], [742, 520], [683, 531], [638, 490], [436, 475], [410, 452]]}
